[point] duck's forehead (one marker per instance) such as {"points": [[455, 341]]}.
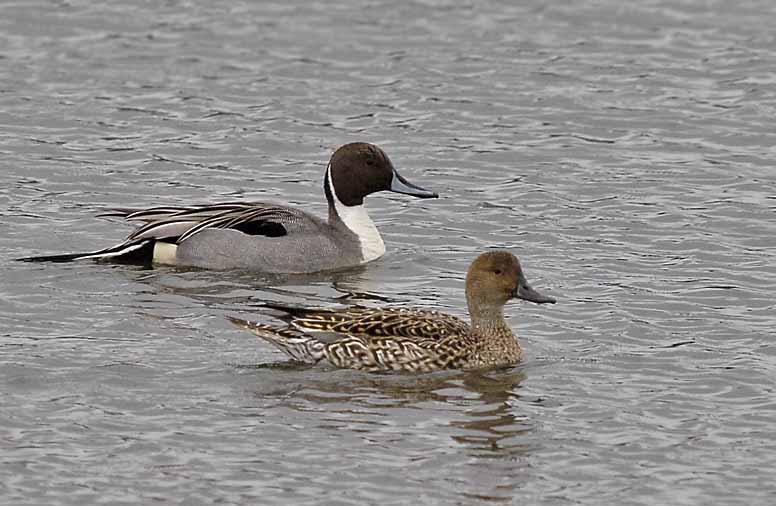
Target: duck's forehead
{"points": [[507, 264], [372, 151], [379, 152], [500, 258], [495, 261], [510, 260], [360, 151], [363, 148], [353, 149]]}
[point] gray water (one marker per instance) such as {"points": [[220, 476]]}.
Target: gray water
{"points": [[624, 150]]}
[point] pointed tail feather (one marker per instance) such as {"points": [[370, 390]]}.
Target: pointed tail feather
{"points": [[295, 311], [117, 212], [133, 252], [69, 257], [295, 344]]}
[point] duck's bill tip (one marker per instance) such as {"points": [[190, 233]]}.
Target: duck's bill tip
{"points": [[525, 292], [401, 185]]}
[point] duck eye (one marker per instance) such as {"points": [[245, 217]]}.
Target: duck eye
{"points": [[369, 161], [498, 272]]}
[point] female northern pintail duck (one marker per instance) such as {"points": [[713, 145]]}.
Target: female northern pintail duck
{"points": [[264, 237], [413, 340]]}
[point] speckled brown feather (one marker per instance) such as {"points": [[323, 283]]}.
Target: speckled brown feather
{"points": [[411, 340], [396, 322]]}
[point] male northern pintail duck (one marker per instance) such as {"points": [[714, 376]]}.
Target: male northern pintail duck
{"points": [[412, 340], [264, 237]]}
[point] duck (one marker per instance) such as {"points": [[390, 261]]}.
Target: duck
{"points": [[397, 339], [266, 237]]}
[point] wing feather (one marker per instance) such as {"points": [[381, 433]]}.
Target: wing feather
{"points": [[379, 323], [181, 223]]}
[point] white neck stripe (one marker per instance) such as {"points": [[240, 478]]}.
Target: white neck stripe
{"points": [[358, 221]]}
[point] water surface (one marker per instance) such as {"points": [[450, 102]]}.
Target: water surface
{"points": [[625, 151]]}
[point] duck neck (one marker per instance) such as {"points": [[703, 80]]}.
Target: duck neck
{"points": [[492, 340], [487, 319], [356, 220]]}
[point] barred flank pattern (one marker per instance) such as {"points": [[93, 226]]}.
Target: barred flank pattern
{"points": [[392, 354], [392, 339]]}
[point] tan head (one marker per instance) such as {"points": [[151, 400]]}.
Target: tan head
{"points": [[359, 168], [494, 278]]}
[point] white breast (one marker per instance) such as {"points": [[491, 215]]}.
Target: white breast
{"points": [[358, 221]]}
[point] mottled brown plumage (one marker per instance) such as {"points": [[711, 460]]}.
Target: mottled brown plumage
{"points": [[412, 340]]}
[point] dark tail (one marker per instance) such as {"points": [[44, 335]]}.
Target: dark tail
{"points": [[137, 252], [56, 258]]}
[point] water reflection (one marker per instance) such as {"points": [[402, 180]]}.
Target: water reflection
{"points": [[244, 291], [491, 428], [478, 408]]}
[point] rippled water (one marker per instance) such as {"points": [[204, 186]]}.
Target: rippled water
{"points": [[625, 150]]}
